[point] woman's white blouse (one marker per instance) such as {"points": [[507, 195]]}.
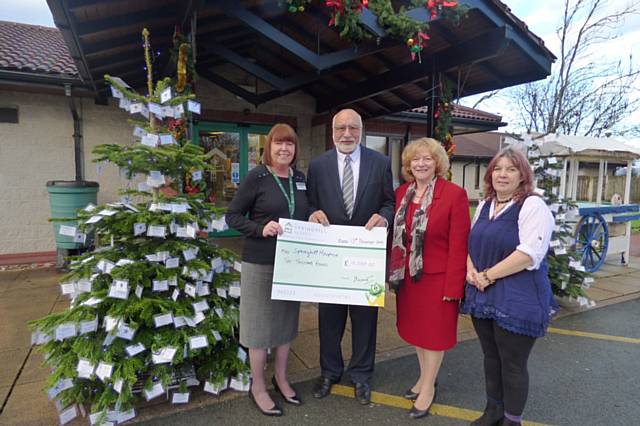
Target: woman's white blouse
{"points": [[535, 226]]}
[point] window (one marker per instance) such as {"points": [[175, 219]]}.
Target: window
{"points": [[8, 115]]}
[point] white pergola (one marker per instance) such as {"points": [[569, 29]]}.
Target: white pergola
{"points": [[578, 149]]}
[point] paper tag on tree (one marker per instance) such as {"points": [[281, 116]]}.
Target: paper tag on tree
{"points": [[119, 289], [161, 320], [155, 391], [104, 370], [193, 106], [69, 414], [133, 350], [85, 368], [65, 331], [180, 398], [197, 342]]}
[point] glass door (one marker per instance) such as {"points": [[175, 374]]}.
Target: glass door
{"points": [[232, 150]]}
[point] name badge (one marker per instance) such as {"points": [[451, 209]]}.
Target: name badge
{"points": [[301, 186]]}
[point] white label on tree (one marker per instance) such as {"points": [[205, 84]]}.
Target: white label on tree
{"points": [[69, 414], [94, 219], [190, 289], [161, 320], [175, 295], [89, 326], [138, 132], [193, 106], [69, 231], [119, 289], [104, 370], [190, 254], [167, 139], [67, 288], [155, 108], [234, 291], [160, 285], [197, 342], [200, 306], [198, 318], [215, 388], [65, 331], [85, 368], [165, 95], [126, 415], [156, 231], [125, 332], [196, 175], [150, 139], [180, 398], [216, 335], [172, 262], [133, 350], [139, 290], [179, 321], [202, 289], [221, 292], [155, 391]]}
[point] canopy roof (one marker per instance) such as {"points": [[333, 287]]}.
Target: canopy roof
{"points": [[259, 51], [586, 146]]}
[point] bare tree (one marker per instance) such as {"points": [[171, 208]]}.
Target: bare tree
{"points": [[584, 94]]}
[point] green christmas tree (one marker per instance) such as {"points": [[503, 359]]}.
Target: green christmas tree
{"points": [[566, 273], [154, 304]]}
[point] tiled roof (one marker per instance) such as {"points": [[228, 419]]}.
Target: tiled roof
{"points": [[463, 112], [33, 48], [478, 145]]}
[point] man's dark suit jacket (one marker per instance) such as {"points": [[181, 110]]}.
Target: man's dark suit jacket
{"points": [[373, 195]]}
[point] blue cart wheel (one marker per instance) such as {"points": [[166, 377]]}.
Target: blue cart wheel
{"points": [[592, 240]]}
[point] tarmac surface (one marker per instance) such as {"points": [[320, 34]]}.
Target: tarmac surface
{"points": [[579, 377], [575, 380]]}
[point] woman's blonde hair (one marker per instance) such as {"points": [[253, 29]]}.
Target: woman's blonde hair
{"points": [[434, 148]]}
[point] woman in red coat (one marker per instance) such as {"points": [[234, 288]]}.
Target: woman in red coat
{"points": [[428, 262]]}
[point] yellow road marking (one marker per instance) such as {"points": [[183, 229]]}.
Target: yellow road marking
{"points": [[400, 402], [593, 335]]}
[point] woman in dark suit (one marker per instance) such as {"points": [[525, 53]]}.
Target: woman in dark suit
{"points": [[269, 192], [428, 261]]}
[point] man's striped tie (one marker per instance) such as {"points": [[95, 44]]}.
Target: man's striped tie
{"points": [[347, 186]]}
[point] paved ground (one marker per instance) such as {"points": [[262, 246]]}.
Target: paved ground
{"points": [[32, 293], [574, 381]]}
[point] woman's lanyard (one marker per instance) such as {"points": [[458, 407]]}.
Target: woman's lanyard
{"points": [[291, 199]]}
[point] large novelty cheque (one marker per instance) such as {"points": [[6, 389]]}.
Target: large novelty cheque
{"points": [[330, 264]]}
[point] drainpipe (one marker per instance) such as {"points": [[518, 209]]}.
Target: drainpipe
{"points": [[77, 133], [464, 171]]}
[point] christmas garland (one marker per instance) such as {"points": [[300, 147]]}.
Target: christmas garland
{"points": [[444, 117], [346, 16]]}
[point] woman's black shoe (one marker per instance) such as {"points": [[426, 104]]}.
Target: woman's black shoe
{"points": [[294, 400], [274, 411], [492, 415], [412, 396], [414, 413]]}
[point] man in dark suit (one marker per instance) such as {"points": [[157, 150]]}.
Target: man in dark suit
{"points": [[349, 185]]}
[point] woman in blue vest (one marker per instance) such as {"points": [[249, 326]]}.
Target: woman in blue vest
{"points": [[508, 293]]}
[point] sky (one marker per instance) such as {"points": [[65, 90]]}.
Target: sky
{"points": [[541, 16]]}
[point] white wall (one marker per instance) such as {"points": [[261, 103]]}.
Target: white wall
{"points": [[40, 148], [470, 178]]}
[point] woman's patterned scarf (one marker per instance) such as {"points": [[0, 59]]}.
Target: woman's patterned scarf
{"points": [[418, 228]]}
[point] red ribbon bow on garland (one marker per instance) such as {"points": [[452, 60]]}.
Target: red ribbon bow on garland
{"points": [[436, 6], [339, 6]]}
